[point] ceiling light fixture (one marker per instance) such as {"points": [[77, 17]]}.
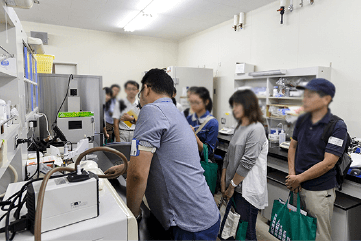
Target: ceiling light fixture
{"points": [[139, 21], [145, 16]]}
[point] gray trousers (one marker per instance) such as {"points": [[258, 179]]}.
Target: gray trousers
{"points": [[126, 136], [319, 204]]}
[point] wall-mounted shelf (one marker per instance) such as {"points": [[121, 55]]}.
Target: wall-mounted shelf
{"points": [[285, 98], [5, 18], [267, 83]]}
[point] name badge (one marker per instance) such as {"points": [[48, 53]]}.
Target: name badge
{"points": [[134, 151], [335, 141]]}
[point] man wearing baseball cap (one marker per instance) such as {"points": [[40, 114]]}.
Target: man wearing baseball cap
{"points": [[311, 160]]}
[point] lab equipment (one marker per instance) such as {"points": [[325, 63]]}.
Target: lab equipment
{"points": [[75, 128], [65, 201], [91, 230], [282, 135], [275, 91], [54, 87], [82, 145], [285, 145]]}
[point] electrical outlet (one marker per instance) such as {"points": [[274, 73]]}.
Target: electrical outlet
{"points": [[223, 120], [16, 141]]}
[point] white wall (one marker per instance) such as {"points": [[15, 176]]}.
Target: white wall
{"points": [[116, 57], [326, 33]]}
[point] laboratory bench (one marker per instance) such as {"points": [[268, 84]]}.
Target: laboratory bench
{"points": [[347, 208]]}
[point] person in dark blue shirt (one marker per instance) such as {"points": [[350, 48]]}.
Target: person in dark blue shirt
{"points": [[311, 161], [201, 103]]}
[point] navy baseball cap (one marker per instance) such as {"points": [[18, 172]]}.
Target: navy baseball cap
{"points": [[320, 84]]}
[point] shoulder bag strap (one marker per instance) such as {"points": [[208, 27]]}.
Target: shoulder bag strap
{"points": [[204, 123]]}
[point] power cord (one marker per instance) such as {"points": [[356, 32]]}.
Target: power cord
{"points": [[66, 95]]}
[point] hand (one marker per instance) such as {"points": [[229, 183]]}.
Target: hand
{"points": [[126, 117], [229, 192], [293, 182], [223, 186], [107, 135], [297, 190], [115, 169]]}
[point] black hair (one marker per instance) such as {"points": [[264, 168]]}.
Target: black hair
{"points": [[122, 105], [249, 101], [174, 90], [159, 81], [115, 85], [132, 82], [192, 89], [108, 91], [203, 93]]}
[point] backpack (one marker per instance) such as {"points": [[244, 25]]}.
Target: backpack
{"points": [[344, 162]]}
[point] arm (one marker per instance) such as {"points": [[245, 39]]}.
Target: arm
{"points": [[116, 130], [252, 150], [200, 144], [317, 170], [105, 133], [237, 179], [137, 177], [291, 157]]}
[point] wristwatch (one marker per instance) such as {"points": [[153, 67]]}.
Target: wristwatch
{"points": [[233, 184], [133, 121]]}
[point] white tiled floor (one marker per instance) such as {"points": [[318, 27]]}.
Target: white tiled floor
{"points": [[261, 225]]}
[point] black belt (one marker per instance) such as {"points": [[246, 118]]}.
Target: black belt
{"points": [[125, 130]]}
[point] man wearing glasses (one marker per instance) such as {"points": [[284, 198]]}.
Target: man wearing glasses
{"points": [[126, 112], [165, 166]]}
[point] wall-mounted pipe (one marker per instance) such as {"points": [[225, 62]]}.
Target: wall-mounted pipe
{"points": [[241, 20], [235, 22], [290, 7]]}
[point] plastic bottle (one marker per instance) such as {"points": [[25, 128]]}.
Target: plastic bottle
{"points": [[282, 137], [275, 91]]}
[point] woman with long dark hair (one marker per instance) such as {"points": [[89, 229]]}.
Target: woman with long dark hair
{"points": [[244, 173], [201, 104]]}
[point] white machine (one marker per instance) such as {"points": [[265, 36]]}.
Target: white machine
{"points": [[76, 124], [65, 201], [102, 214]]}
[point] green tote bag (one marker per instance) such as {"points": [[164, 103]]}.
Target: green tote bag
{"points": [[291, 225], [210, 170]]}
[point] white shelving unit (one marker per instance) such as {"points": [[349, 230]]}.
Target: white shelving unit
{"points": [[269, 81], [12, 87]]}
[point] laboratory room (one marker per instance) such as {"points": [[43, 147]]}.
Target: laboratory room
{"points": [[180, 120]]}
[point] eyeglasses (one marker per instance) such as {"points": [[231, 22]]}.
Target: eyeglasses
{"points": [[132, 89], [142, 90], [194, 103]]}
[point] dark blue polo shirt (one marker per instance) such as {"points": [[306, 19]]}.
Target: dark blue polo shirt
{"points": [[311, 149]]}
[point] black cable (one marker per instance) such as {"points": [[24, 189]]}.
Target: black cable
{"points": [[66, 95], [38, 160]]}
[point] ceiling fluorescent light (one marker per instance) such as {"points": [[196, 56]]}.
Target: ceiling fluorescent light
{"points": [[139, 22], [269, 72], [144, 16]]}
